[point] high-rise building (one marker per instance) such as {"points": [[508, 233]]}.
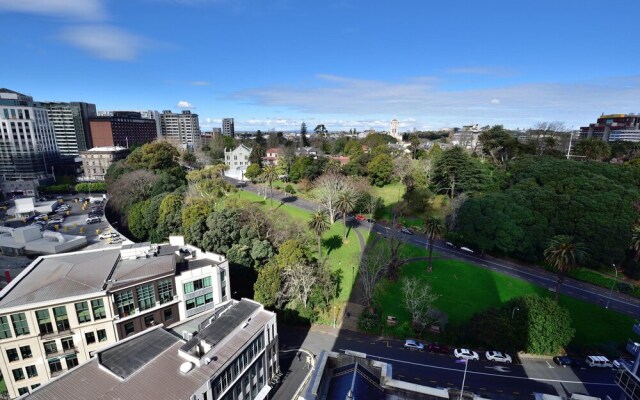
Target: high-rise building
{"points": [[181, 130], [28, 146], [395, 133], [62, 308], [148, 114], [614, 127], [123, 128], [228, 128], [71, 125]]}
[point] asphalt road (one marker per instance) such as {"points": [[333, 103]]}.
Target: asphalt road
{"points": [[485, 378], [616, 301]]}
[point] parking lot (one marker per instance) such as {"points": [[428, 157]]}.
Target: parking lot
{"points": [[75, 221]]}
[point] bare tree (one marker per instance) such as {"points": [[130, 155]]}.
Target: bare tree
{"points": [[402, 169], [132, 187], [373, 266], [330, 186], [454, 209], [298, 283], [420, 302], [545, 136]]}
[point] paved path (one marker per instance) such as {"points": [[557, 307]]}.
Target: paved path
{"points": [[622, 303]]}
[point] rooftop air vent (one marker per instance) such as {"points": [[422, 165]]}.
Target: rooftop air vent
{"points": [[186, 367]]}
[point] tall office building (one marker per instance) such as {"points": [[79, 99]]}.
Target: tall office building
{"points": [[28, 146], [228, 129], [147, 114], [614, 127], [181, 130], [395, 132], [71, 125], [123, 128]]}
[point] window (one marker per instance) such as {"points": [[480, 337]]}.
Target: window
{"points": [[222, 276], [146, 297], [206, 282], [148, 320], [224, 293], [168, 314], [62, 320], [128, 328], [98, 309], [190, 287], [23, 390], [191, 304], [124, 303], [12, 355], [50, 347], [91, 337], [26, 352], [165, 291], [37, 385], [208, 298], [82, 311], [72, 361], [5, 330], [18, 374], [32, 371], [102, 335], [67, 343], [20, 325], [55, 366]]}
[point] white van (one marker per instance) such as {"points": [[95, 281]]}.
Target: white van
{"points": [[599, 361]]}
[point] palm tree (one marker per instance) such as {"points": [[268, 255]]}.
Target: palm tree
{"points": [[433, 228], [270, 174], [319, 224], [563, 255], [634, 243], [345, 203]]}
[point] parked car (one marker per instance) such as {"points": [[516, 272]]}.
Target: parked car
{"points": [[468, 250], [93, 220], [108, 235], [466, 354], [406, 231], [450, 244], [623, 363], [360, 217], [438, 348], [55, 221], [413, 345], [116, 240], [562, 360], [40, 217], [498, 356], [598, 362]]}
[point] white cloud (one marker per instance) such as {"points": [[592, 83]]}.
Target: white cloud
{"points": [[498, 71], [83, 9], [184, 104], [103, 41], [575, 103], [495, 101], [199, 83]]}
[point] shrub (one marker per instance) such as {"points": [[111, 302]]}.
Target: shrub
{"points": [[289, 189], [368, 322]]}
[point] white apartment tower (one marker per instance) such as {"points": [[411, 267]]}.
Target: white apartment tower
{"points": [[395, 132], [71, 125], [181, 130], [228, 128]]}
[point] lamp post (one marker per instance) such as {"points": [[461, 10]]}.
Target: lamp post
{"points": [[334, 317], [514, 312], [612, 285], [464, 377]]}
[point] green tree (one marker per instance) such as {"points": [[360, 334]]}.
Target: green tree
{"points": [[136, 220], [256, 155], [193, 210], [380, 170], [455, 172], [269, 175], [253, 172], [563, 254], [320, 130], [319, 224], [345, 203], [169, 216], [154, 156], [303, 135], [414, 145], [593, 149], [501, 145], [222, 231], [434, 229], [634, 243]]}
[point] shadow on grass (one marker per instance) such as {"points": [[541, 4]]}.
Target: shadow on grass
{"points": [[332, 243]]}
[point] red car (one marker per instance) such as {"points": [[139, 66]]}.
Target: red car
{"points": [[438, 348], [360, 217]]}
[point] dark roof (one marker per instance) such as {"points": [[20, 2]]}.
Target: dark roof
{"points": [[128, 357], [224, 325], [5, 90], [357, 379]]}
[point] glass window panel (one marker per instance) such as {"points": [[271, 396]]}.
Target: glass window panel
{"points": [[98, 309], [62, 320], [20, 325], [165, 291], [12, 355], [5, 330], [146, 297], [82, 311]]}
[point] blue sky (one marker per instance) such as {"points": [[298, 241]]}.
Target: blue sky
{"points": [[272, 64]]}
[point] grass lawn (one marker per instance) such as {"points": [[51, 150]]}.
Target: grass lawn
{"points": [[340, 256], [466, 289], [3, 386]]}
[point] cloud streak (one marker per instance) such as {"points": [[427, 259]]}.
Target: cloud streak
{"points": [[422, 99], [82, 9]]}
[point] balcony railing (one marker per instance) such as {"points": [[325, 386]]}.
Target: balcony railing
{"points": [[199, 309], [63, 352], [49, 335]]}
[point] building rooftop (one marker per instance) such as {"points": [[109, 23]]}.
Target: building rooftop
{"points": [[107, 148], [54, 277]]}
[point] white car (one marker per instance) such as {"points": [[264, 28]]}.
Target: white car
{"points": [[108, 235], [466, 354], [468, 250], [450, 244], [498, 356], [55, 221]]}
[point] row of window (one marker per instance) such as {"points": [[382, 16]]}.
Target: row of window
{"points": [[248, 387], [19, 373], [125, 304], [25, 390], [198, 284], [149, 321], [20, 114], [25, 352], [45, 324], [199, 301], [226, 377]]}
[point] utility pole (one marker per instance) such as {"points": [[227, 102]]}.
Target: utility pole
{"points": [[569, 150]]}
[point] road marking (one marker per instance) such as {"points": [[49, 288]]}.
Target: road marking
{"points": [[400, 376], [550, 366], [417, 379], [433, 381], [486, 373]]}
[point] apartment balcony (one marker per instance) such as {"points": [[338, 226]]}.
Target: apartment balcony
{"points": [[52, 335], [63, 352]]}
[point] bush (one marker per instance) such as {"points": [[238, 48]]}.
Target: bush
{"points": [[62, 188], [97, 187], [368, 322], [289, 189]]}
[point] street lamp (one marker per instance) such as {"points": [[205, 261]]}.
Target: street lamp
{"points": [[514, 311], [464, 377], [612, 285]]}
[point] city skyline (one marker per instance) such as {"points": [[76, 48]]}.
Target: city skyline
{"points": [[344, 64]]}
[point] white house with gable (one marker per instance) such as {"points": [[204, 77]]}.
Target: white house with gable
{"points": [[237, 161]]}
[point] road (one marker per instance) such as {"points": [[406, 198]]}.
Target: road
{"points": [[485, 378], [619, 302]]}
